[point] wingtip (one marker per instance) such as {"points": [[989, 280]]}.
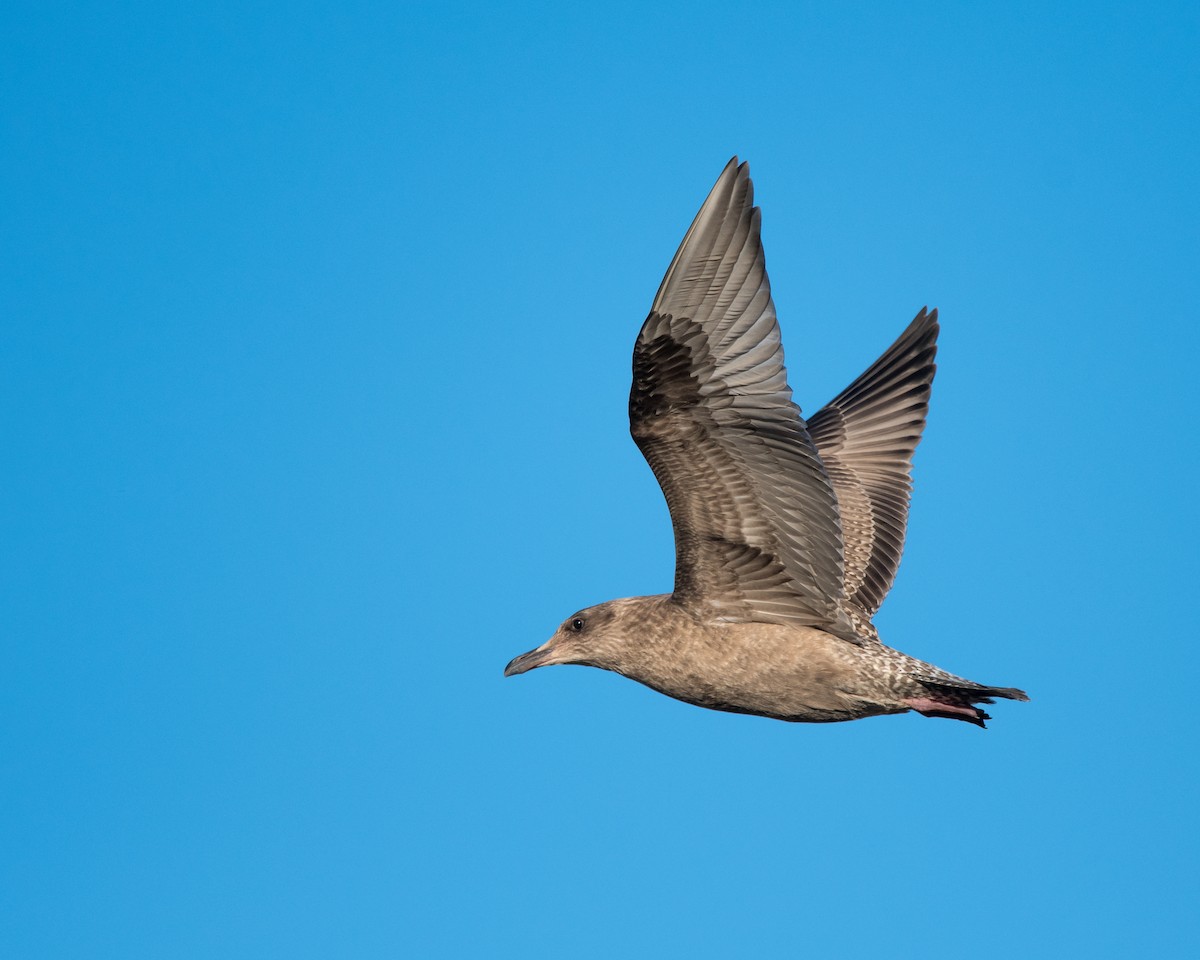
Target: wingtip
{"points": [[735, 169], [731, 197], [925, 323]]}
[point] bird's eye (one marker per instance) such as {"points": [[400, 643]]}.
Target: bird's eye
{"points": [[577, 624]]}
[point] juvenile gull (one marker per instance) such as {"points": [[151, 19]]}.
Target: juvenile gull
{"points": [[787, 534]]}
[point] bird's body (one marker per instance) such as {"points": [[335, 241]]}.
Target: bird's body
{"points": [[787, 534], [773, 670]]}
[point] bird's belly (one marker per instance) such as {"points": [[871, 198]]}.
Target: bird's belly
{"points": [[795, 674]]}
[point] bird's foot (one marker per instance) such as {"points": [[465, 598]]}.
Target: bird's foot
{"points": [[950, 711]]}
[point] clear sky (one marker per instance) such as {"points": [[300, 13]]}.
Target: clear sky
{"points": [[315, 331]]}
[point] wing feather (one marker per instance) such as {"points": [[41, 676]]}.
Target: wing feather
{"points": [[866, 437], [757, 533]]}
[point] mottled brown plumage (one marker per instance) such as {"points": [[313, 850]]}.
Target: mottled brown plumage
{"points": [[788, 534]]}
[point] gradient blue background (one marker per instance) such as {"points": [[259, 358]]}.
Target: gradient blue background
{"points": [[315, 327]]}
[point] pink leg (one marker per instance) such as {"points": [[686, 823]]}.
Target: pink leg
{"points": [[934, 708]]}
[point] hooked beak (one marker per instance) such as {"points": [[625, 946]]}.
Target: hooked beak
{"points": [[528, 661]]}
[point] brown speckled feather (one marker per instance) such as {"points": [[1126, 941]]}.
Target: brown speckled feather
{"points": [[866, 436], [757, 535]]}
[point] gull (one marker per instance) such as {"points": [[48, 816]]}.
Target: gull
{"points": [[788, 533]]}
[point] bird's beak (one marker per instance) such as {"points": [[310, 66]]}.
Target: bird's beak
{"points": [[528, 661]]}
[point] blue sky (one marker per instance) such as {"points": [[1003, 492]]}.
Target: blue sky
{"points": [[315, 329]]}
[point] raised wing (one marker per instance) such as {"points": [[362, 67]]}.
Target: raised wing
{"points": [[866, 436], [757, 536]]}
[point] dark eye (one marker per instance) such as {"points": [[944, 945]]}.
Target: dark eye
{"points": [[577, 624]]}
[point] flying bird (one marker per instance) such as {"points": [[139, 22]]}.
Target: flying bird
{"points": [[788, 533]]}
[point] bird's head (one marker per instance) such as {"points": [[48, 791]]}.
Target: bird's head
{"points": [[591, 637]]}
